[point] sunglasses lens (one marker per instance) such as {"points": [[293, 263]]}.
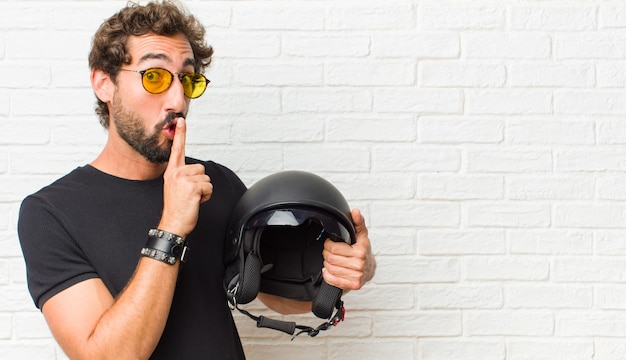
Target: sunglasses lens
{"points": [[156, 81], [194, 85]]}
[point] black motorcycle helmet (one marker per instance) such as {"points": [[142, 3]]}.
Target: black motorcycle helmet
{"points": [[275, 241]]}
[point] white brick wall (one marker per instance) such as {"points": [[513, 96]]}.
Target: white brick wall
{"points": [[483, 140]]}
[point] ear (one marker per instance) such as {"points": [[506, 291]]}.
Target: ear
{"points": [[102, 85]]}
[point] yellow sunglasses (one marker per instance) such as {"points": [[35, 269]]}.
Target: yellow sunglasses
{"points": [[157, 80]]}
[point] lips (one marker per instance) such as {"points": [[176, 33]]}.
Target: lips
{"points": [[170, 129], [170, 124]]}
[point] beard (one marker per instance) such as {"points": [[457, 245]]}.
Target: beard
{"points": [[131, 129]]}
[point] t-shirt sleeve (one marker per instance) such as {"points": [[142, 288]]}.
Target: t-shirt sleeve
{"points": [[54, 261]]}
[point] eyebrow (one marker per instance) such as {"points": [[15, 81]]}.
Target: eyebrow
{"points": [[160, 56]]}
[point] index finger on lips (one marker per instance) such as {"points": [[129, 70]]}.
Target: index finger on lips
{"points": [[177, 154]]}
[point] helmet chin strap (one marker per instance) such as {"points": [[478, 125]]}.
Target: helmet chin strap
{"points": [[290, 327]]}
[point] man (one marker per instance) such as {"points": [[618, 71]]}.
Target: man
{"points": [[104, 290]]}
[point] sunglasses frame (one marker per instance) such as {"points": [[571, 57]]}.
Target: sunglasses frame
{"points": [[179, 75]]}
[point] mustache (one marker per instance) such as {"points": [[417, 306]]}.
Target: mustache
{"points": [[169, 118]]}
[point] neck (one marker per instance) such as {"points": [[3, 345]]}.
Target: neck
{"points": [[120, 160]]}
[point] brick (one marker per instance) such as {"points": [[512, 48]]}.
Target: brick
{"points": [[394, 159], [278, 16], [4, 268], [442, 323], [422, 214], [244, 45], [588, 269], [461, 17], [437, 129], [435, 45], [611, 187], [611, 74], [12, 16], [452, 349], [377, 298], [543, 132], [591, 323], [461, 242], [504, 45], [461, 74], [590, 215], [5, 102], [282, 74], [539, 74], [6, 326], [59, 102], [458, 187], [610, 242], [314, 100], [392, 241], [395, 270], [589, 160], [509, 214], [45, 350], [551, 349], [502, 323], [509, 160], [448, 297], [48, 43], [326, 159], [31, 325], [503, 268], [370, 16], [15, 299], [357, 73], [5, 212], [420, 101], [609, 348], [517, 102], [611, 132], [212, 15], [254, 129], [70, 74], [238, 101], [551, 242], [381, 129], [611, 16], [549, 296], [367, 187], [80, 16], [609, 297], [556, 18], [12, 74], [249, 159], [589, 102], [550, 187], [325, 45], [593, 45]]}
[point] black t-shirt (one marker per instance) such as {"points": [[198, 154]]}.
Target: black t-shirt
{"points": [[89, 224]]}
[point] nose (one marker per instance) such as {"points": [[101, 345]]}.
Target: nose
{"points": [[176, 101]]}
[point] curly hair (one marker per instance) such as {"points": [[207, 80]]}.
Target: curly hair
{"points": [[167, 17]]}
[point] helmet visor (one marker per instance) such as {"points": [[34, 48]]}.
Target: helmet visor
{"points": [[329, 226]]}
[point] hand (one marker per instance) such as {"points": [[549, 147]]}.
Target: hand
{"points": [[185, 188], [350, 267]]}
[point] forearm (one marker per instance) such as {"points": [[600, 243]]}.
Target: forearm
{"points": [[132, 326]]}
